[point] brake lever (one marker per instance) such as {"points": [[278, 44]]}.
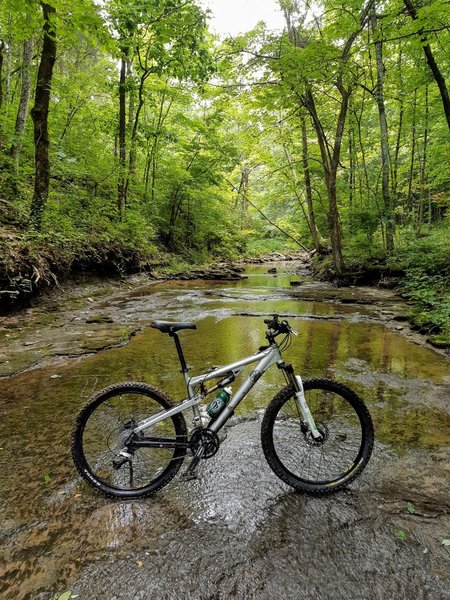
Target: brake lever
{"points": [[291, 330]]}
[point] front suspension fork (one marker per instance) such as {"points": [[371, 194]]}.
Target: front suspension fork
{"points": [[303, 407]]}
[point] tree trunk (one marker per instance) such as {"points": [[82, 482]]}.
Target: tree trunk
{"points": [[135, 123], [241, 203], [7, 66], [330, 162], [352, 174], [152, 158], [308, 191], [423, 170], [122, 133], [438, 77], [24, 101], [365, 171], [2, 61], [397, 153], [39, 114], [409, 199], [395, 162], [379, 95]]}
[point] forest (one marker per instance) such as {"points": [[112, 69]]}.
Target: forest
{"points": [[131, 136]]}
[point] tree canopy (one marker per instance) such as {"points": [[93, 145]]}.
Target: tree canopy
{"points": [[128, 123]]}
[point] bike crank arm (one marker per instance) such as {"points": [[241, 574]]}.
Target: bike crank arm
{"points": [[191, 472], [304, 408]]}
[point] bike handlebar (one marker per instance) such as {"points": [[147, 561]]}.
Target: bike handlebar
{"points": [[278, 327]]}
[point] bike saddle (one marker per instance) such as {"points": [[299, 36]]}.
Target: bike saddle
{"points": [[168, 327]]}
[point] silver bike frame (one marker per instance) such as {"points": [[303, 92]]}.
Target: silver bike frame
{"points": [[265, 359]]}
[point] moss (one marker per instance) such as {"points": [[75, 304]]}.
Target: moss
{"points": [[439, 341]]}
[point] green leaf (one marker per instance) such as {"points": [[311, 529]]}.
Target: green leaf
{"points": [[47, 479], [446, 542], [410, 508], [400, 534], [65, 596]]}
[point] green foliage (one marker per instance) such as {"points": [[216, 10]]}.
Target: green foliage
{"points": [[400, 534], [256, 246], [426, 261], [410, 508], [213, 150]]}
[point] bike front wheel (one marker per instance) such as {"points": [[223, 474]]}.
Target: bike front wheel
{"points": [[324, 465], [103, 428]]}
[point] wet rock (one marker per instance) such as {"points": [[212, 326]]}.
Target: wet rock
{"points": [[97, 340], [237, 531], [100, 319], [216, 272], [272, 270], [295, 283], [19, 361], [400, 317], [439, 341]]}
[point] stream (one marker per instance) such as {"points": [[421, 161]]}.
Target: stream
{"points": [[237, 531]]}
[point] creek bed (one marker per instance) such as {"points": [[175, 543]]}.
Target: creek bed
{"points": [[237, 531]]}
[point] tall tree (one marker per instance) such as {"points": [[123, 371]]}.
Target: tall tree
{"points": [[24, 100], [39, 114], [429, 55], [384, 139], [330, 151]]}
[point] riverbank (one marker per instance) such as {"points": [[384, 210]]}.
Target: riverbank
{"points": [[31, 267], [33, 264], [421, 279], [88, 314]]}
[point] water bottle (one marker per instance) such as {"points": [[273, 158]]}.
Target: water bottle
{"points": [[219, 402]]}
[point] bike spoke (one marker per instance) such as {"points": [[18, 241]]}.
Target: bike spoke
{"points": [[106, 433], [317, 460]]}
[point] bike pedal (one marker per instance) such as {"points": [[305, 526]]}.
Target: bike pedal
{"points": [[189, 476]]}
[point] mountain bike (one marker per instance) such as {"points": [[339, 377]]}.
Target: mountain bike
{"points": [[131, 439]]}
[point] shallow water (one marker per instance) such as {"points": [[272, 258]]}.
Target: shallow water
{"points": [[237, 531]]}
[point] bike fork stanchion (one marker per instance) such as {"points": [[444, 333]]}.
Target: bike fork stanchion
{"points": [[297, 384], [304, 408]]}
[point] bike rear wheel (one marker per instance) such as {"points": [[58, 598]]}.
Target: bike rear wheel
{"points": [[318, 466], [103, 428]]}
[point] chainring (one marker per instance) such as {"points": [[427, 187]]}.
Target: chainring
{"points": [[206, 438]]}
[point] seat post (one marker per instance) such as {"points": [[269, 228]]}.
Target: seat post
{"points": [[184, 368]]}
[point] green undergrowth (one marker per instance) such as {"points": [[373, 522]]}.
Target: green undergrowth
{"points": [[30, 262], [426, 262], [419, 269]]}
